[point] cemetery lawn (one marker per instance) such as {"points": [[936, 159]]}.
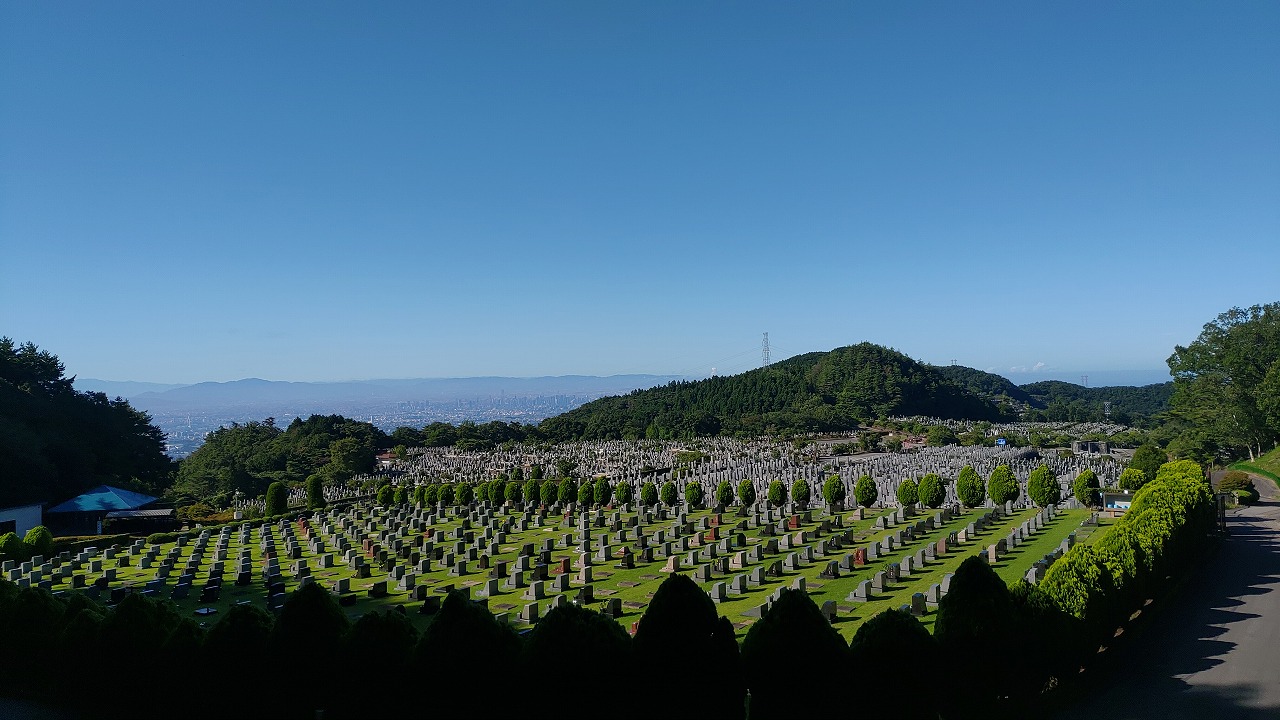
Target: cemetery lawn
{"points": [[633, 587]]}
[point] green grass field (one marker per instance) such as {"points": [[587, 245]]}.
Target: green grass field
{"points": [[634, 587], [1267, 466]]}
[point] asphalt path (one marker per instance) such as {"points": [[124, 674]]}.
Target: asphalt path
{"points": [[1214, 651]]}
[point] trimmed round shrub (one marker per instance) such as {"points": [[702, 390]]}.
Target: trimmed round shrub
{"points": [[515, 492], [1085, 489], [693, 494], [463, 493], [931, 491], [648, 494], [601, 494], [833, 492], [908, 492], [969, 487], [1002, 486], [623, 493], [568, 491], [800, 492], [586, 494], [669, 494], [777, 493], [746, 492], [1132, 479], [531, 490], [793, 627], [724, 493], [39, 541], [864, 491], [896, 639], [278, 499], [1148, 459], [400, 496], [315, 492], [548, 492], [1043, 487], [12, 547]]}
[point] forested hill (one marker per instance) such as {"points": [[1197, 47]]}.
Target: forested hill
{"points": [[990, 386], [814, 392], [56, 443], [1067, 401]]}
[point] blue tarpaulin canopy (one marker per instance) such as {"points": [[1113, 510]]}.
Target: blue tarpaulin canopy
{"points": [[104, 497]]}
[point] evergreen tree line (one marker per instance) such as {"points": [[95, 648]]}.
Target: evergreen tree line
{"points": [[56, 442], [995, 648]]}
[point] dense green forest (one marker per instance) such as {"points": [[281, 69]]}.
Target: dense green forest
{"points": [[996, 388], [247, 458], [809, 393], [56, 442], [1056, 400]]}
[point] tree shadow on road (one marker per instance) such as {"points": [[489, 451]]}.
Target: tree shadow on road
{"points": [[1183, 660]]}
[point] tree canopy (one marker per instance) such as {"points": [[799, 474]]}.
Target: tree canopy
{"points": [[56, 442]]}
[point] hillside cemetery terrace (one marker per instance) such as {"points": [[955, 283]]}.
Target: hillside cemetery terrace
{"points": [[522, 561]]}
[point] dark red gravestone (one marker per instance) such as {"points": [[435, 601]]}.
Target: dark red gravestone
{"points": [[860, 556], [793, 522]]}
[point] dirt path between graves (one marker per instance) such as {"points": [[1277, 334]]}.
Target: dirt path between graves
{"points": [[1214, 651]]}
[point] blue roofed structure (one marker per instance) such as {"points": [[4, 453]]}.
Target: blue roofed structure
{"points": [[104, 498]]}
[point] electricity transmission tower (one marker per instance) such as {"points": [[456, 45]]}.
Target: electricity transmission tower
{"points": [[764, 351]]}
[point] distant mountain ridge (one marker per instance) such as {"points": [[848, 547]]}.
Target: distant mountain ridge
{"points": [[820, 391], [250, 392]]}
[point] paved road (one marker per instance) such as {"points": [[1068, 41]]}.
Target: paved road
{"points": [[1214, 652]]}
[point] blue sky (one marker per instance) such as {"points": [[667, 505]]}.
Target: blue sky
{"points": [[324, 191]]}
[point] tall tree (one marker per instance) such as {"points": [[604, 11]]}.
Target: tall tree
{"points": [[1221, 379]]}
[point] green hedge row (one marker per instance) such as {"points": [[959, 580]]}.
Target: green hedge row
{"points": [[1101, 584]]}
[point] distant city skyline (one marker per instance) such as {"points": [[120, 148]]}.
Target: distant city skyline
{"points": [[215, 192]]}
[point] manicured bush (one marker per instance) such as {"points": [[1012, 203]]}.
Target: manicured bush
{"points": [[693, 494], [1002, 486], [463, 493], [895, 639], [777, 493], [865, 492], [1043, 488], [833, 492], [1085, 489], [535, 472], [496, 493], [568, 491], [532, 492], [601, 491], [975, 620], [969, 487], [562, 638], [385, 496], [515, 492], [315, 492], [548, 492], [431, 494], [793, 627], [931, 491], [1148, 459], [724, 493], [1079, 584], [800, 492], [400, 496], [623, 493], [669, 494], [465, 634], [908, 492], [1132, 479], [648, 494], [277, 499], [746, 492], [12, 548], [586, 494], [681, 622]]}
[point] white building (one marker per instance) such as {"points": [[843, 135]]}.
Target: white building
{"points": [[21, 519]]}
